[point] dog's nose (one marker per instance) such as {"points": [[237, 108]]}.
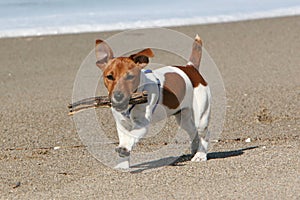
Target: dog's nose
{"points": [[118, 95]]}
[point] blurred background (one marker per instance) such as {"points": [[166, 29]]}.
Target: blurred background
{"points": [[40, 17]]}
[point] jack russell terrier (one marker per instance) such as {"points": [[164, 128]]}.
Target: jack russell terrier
{"points": [[181, 90]]}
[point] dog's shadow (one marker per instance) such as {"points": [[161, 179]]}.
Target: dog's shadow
{"points": [[179, 161]]}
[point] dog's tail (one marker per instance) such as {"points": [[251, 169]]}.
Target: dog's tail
{"points": [[195, 57]]}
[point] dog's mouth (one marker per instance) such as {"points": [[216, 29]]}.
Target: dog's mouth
{"points": [[120, 107]]}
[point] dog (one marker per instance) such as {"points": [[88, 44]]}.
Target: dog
{"points": [[181, 90]]}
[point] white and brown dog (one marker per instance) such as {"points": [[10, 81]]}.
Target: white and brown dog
{"points": [[181, 90]]}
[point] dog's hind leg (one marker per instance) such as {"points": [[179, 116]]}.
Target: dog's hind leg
{"points": [[186, 122], [201, 107], [201, 154]]}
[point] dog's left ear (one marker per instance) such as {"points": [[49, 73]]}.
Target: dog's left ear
{"points": [[142, 58]]}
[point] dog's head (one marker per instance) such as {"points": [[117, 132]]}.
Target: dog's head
{"points": [[121, 74]]}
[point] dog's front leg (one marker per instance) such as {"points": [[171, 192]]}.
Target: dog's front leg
{"points": [[127, 140], [131, 130]]}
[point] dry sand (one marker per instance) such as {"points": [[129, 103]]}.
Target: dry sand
{"points": [[260, 64]]}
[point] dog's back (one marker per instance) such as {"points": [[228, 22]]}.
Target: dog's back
{"points": [[182, 85]]}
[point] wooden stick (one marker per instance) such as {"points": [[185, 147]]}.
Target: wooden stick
{"points": [[103, 101]]}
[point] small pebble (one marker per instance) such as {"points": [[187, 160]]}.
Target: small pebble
{"points": [[18, 184], [56, 148], [248, 140]]}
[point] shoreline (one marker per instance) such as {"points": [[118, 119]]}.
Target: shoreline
{"points": [[149, 27]]}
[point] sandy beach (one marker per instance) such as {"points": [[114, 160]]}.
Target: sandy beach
{"points": [[260, 65]]}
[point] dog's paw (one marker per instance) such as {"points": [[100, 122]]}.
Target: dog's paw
{"points": [[123, 163], [199, 157], [123, 152]]}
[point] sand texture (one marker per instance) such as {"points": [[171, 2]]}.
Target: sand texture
{"points": [[260, 65]]}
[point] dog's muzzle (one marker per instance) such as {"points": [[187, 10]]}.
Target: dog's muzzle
{"points": [[119, 101]]}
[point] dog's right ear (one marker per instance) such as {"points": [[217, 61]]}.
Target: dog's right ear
{"points": [[103, 54], [142, 58]]}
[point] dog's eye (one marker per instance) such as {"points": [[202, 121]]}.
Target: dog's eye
{"points": [[110, 77], [129, 77]]}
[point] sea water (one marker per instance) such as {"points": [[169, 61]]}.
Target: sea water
{"points": [[44, 17]]}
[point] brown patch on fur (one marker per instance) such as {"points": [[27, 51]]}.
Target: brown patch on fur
{"points": [[119, 69], [173, 90], [193, 74], [142, 58], [121, 74]]}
